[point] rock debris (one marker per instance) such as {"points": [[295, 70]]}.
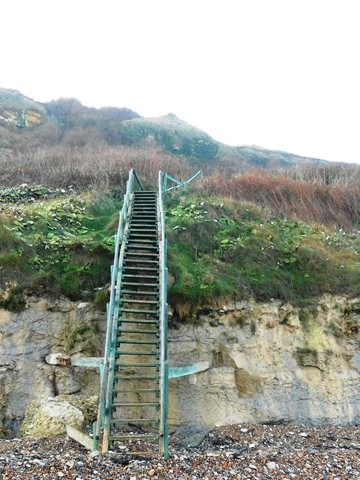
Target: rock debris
{"points": [[230, 452]]}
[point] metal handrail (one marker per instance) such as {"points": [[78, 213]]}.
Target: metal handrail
{"points": [[112, 307], [103, 419], [178, 183], [163, 308], [163, 322]]}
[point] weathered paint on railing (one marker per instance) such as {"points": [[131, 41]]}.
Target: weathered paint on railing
{"points": [[106, 367], [103, 414], [163, 307], [178, 183]]}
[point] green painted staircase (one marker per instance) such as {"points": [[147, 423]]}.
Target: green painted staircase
{"points": [[136, 379], [134, 373]]}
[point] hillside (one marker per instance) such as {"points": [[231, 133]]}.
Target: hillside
{"points": [[290, 233], [56, 241], [29, 127]]}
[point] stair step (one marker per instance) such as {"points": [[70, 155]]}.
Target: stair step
{"points": [[134, 238], [140, 241], [124, 352], [141, 244], [142, 254], [142, 231], [135, 320], [132, 275], [151, 202], [134, 232], [145, 269], [149, 302], [140, 247], [129, 310], [147, 262], [144, 198], [145, 332], [138, 292], [143, 226], [134, 404], [141, 198], [145, 203], [144, 216], [143, 222], [137, 390], [134, 421], [140, 277], [144, 208], [137, 342], [136, 377], [150, 365]]}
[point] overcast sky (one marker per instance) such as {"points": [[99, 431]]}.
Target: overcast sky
{"points": [[281, 74]]}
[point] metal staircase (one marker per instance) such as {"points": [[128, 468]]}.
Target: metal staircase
{"points": [[133, 405], [136, 380]]}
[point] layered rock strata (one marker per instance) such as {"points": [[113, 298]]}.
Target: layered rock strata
{"points": [[269, 362]]}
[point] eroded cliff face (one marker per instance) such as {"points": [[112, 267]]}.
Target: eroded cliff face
{"points": [[21, 118], [268, 362], [25, 340]]}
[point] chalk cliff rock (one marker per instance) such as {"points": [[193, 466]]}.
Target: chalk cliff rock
{"points": [[26, 338], [17, 110], [269, 362]]}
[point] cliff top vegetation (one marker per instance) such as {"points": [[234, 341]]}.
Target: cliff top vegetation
{"points": [[290, 233], [256, 236]]}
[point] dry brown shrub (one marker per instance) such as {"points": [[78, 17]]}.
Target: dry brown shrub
{"points": [[315, 202], [324, 174], [98, 165]]}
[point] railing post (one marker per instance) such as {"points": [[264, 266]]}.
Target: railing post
{"points": [[106, 380], [164, 379]]}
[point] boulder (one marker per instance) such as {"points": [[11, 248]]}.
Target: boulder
{"points": [[48, 418]]}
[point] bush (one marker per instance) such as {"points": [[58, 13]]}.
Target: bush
{"points": [[311, 202]]}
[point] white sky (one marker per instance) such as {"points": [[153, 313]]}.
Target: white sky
{"points": [[281, 74]]}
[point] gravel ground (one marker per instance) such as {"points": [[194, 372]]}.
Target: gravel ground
{"points": [[231, 452]]}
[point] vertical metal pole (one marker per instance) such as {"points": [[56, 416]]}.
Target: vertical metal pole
{"points": [[164, 393], [106, 378]]}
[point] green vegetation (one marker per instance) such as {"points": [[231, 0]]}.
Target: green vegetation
{"points": [[14, 100], [219, 248], [55, 241], [290, 234], [61, 244], [63, 142], [175, 135]]}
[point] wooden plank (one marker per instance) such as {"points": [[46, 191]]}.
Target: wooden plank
{"points": [[80, 437]]}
